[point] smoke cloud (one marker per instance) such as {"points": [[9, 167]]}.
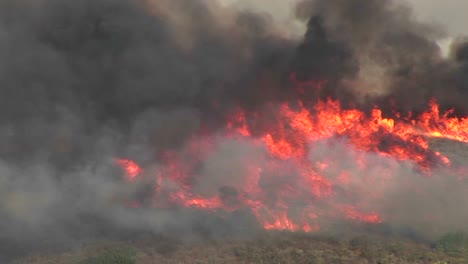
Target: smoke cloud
{"points": [[383, 39], [83, 82]]}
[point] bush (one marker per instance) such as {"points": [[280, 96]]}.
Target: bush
{"points": [[453, 243], [116, 256]]}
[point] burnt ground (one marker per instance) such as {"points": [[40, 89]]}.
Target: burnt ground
{"points": [[348, 243]]}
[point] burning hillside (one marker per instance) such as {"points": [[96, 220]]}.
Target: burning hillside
{"points": [[292, 172], [211, 110]]}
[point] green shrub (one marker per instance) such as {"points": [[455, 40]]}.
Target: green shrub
{"points": [[453, 243], [115, 256], [360, 242]]}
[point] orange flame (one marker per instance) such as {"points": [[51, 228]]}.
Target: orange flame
{"points": [[283, 191], [131, 168]]}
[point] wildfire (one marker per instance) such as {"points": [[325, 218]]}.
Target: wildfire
{"points": [[298, 184], [131, 168], [436, 125]]}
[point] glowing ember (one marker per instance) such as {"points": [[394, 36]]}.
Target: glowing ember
{"points": [[295, 183], [131, 168], [352, 213]]}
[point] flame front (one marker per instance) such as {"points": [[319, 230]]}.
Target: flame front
{"points": [[296, 186]]}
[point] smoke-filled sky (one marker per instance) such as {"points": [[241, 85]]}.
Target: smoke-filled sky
{"points": [[450, 13], [83, 82]]}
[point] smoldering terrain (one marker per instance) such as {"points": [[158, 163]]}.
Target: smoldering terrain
{"points": [[83, 82]]}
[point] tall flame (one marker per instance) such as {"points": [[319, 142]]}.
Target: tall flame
{"points": [[289, 190]]}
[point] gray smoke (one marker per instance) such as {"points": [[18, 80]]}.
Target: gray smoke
{"points": [[407, 199], [83, 82], [385, 54]]}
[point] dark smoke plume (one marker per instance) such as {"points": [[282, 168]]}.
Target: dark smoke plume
{"points": [[380, 54], [82, 82]]}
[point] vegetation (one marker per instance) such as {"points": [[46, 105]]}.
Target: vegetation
{"points": [[115, 256], [453, 244], [271, 247]]}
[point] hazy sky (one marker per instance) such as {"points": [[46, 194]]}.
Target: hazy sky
{"points": [[453, 14]]}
